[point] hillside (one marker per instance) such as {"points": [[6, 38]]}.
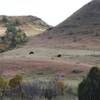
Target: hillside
{"points": [[81, 30], [32, 25], [46, 57], [57, 50], [25, 26]]}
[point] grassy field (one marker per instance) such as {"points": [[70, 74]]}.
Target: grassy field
{"points": [[44, 64]]}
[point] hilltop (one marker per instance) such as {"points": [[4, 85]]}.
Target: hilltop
{"points": [[26, 26], [81, 30], [32, 25]]}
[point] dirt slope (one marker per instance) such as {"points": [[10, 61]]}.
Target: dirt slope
{"points": [[81, 30]]}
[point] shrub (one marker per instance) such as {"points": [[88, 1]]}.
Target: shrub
{"points": [[17, 22], [50, 28], [11, 34], [15, 36], [3, 82], [20, 38], [3, 86], [50, 37], [48, 94], [15, 85], [61, 86], [11, 28], [4, 19], [15, 81], [89, 88], [77, 71]]}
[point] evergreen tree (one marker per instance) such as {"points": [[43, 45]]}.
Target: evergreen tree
{"points": [[89, 88]]}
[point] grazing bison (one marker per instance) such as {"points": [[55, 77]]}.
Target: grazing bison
{"points": [[31, 52]]}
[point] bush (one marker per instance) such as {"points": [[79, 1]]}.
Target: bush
{"points": [[4, 19], [3, 82], [17, 22], [15, 81], [20, 38], [89, 88], [11, 28], [14, 35], [61, 86], [3, 86], [48, 94], [77, 71]]}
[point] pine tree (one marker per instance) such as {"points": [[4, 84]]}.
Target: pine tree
{"points": [[89, 88]]}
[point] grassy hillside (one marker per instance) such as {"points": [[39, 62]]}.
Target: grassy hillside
{"points": [[65, 52], [25, 27]]}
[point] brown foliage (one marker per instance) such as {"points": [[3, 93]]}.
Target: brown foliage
{"points": [[15, 81]]}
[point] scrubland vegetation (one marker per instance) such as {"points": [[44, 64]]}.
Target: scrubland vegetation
{"points": [[14, 35], [17, 88]]}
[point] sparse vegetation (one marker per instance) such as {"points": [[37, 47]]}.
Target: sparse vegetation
{"points": [[77, 71], [16, 89], [3, 86], [17, 22], [14, 36], [50, 37], [4, 19], [61, 86], [15, 81], [15, 30]]}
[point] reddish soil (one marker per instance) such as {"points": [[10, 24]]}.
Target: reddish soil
{"points": [[12, 67], [71, 42]]}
